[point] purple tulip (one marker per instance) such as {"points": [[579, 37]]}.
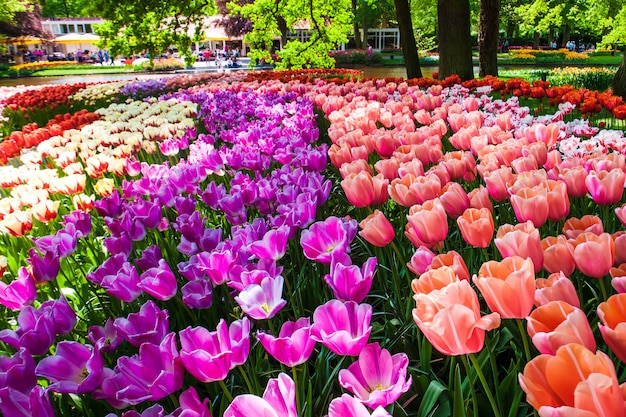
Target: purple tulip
{"points": [[155, 411], [294, 344], [209, 356], [342, 327], [198, 294], [150, 258], [18, 371], [272, 246], [191, 406], [44, 268], [350, 406], [121, 244], [63, 242], [73, 369], [106, 336], [349, 282], [262, 301], [14, 403], [328, 240], [279, 400], [216, 265], [118, 277], [159, 282], [80, 220], [149, 325], [20, 292], [110, 206], [377, 378], [150, 376]]}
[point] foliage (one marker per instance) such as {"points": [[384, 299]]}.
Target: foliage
{"points": [[357, 57], [598, 79], [169, 64], [8, 9], [24, 23], [329, 23]]}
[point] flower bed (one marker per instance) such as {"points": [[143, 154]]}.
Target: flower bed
{"points": [[296, 245]]}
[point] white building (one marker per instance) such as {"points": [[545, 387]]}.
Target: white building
{"points": [[63, 26]]}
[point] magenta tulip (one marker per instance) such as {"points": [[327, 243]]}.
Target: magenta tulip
{"points": [[294, 344], [328, 240], [342, 327], [350, 406], [262, 301], [349, 282], [279, 400], [73, 369]]}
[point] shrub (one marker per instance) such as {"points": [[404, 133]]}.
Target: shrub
{"points": [[357, 57], [169, 64]]}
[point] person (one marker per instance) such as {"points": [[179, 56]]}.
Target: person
{"points": [[100, 56], [505, 48], [369, 50]]}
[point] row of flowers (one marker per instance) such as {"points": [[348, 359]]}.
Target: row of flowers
{"points": [[238, 207]]}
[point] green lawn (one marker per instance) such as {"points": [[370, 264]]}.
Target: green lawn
{"points": [[81, 71]]}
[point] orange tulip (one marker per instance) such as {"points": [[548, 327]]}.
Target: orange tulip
{"points": [[434, 279], [508, 286], [557, 287], [451, 321], [452, 259], [612, 314], [476, 227], [589, 223], [521, 240], [556, 255], [574, 382], [592, 254], [556, 324], [376, 229]]}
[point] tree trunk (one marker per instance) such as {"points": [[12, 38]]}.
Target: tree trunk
{"points": [[550, 37], [355, 25], [455, 48], [407, 39], [566, 32], [536, 40], [488, 30], [618, 85]]}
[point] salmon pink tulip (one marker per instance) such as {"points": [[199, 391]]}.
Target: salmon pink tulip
{"points": [[520, 240], [592, 254], [556, 324], [452, 259], [359, 189], [477, 227], [355, 167], [557, 287], [377, 378], [497, 183], [376, 229], [612, 314], [618, 278], [479, 198], [434, 279], [531, 203], [402, 192], [508, 286], [558, 200], [621, 214], [454, 199], [429, 222], [619, 241], [574, 178], [388, 168], [426, 188], [573, 382], [451, 321], [588, 223], [606, 187], [556, 255]]}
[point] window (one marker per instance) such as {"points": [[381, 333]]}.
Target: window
{"points": [[88, 28], [64, 29], [72, 28], [80, 28]]}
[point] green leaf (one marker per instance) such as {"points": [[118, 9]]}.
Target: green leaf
{"points": [[458, 406], [432, 394]]}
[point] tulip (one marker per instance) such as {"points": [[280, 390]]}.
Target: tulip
{"points": [[454, 260], [429, 222], [606, 187], [73, 369], [355, 167], [191, 406], [621, 214], [520, 240], [476, 226], [20, 292], [264, 300], [588, 223], [426, 188], [556, 256], [327, 240], [451, 321], [350, 406], [376, 229], [377, 378], [592, 390], [619, 241], [402, 192], [508, 286], [342, 327], [198, 294], [592, 254], [618, 278], [107, 336], [421, 260], [272, 246], [209, 356], [575, 179], [216, 264], [359, 189], [388, 168], [556, 324], [279, 400], [531, 203], [349, 282], [558, 200], [149, 325], [454, 199], [434, 279], [33, 403], [479, 198], [293, 345], [557, 287], [159, 281], [413, 167], [496, 182], [612, 314]]}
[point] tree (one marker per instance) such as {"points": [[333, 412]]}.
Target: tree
{"points": [[616, 35], [25, 23], [407, 39], [65, 8], [8, 8], [329, 23], [488, 30], [455, 48]]}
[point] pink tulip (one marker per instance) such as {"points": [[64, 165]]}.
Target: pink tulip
{"points": [[557, 287], [262, 301], [329, 239], [377, 378], [420, 261], [454, 199], [376, 229], [531, 203], [429, 222], [279, 400], [349, 406], [520, 240], [592, 254], [349, 282], [606, 187], [342, 327], [556, 255], [293, 345]]}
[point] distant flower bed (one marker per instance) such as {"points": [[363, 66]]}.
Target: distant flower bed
{"points": [[168, 64], [23, 70], [535, 56]]}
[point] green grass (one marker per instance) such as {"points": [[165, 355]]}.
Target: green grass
{"points": [[605, 59], [81, 71]]}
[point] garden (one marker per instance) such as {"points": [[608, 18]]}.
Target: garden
{"points": [[312, 243]]}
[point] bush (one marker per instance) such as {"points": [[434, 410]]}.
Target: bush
{"points": [[169, 64], [357, 57]]}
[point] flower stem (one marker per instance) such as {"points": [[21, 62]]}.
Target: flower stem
{"points": [[522, 332], [227, 393], [471, 384], [483, 381], [603, 289], [294, 371], [245, 377]]}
